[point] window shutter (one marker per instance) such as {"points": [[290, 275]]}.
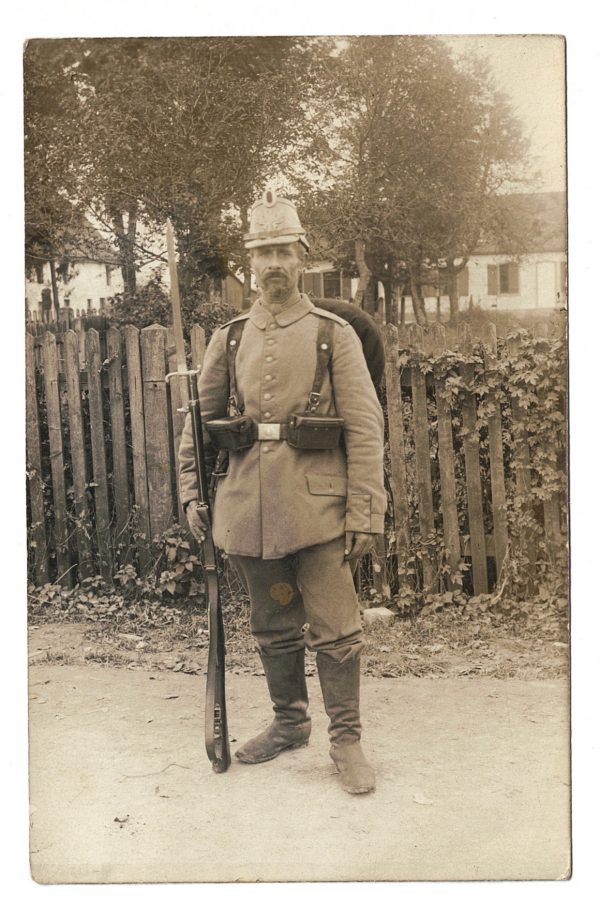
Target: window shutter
{"points": [[563, 277], [346, 287], [492, 273]]}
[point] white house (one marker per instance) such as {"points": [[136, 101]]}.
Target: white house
{"points": [[492, 279], [87, 275]]}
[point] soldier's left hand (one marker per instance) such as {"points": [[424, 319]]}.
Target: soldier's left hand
{"points": [[357, 544]]}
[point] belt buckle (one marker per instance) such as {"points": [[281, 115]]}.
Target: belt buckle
{"points": [[269, 431]]}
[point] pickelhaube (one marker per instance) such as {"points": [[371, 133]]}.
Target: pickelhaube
{"points": [[274, 221]]}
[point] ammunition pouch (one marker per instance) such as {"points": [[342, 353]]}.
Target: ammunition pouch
{"points": [[235, 433], [314, 432]]}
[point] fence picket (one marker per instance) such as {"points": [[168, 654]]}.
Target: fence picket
{"points": [[177, 401], [446, 463], [57, 464], [397, 450], [101, 501], [496, 451], [551, 505], [472, 471], [114, 354], [85, 566], [138, 443], [34, 471], [422, 454], [522, 467], [159, 459], [198, 338]]}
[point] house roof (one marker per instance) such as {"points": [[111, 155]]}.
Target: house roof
{"points": [[535, 222], [81, 241]]}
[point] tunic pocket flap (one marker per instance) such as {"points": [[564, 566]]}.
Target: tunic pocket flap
{"points": [[324, 484]]}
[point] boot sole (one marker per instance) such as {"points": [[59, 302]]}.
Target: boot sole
{"points": [[288, 747]]}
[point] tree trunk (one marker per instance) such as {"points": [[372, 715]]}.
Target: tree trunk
{"points": [[364, 272], [55, 300], [452, 283], [387, 307], [418, 301], [126, 244]]}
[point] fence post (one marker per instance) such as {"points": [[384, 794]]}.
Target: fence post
{"points": [[494, 422], [114, 357], [78, 460], [94, 370], [472, 471], [138, 443], [158, 436], [34, 473], [397, 451], [422, 455], [446, 459], [57, 464]]}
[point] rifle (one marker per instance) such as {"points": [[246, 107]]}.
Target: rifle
{"points": [[215, 719]]}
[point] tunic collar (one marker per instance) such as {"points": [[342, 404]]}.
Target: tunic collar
{"points": [[298, 306]]}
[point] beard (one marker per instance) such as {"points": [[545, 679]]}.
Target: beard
{"points": [[277, 288]]}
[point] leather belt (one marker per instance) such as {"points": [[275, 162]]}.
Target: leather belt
{"points": [[272, 431]]}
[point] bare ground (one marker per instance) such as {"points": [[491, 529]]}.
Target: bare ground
{"points": [[473, 773]]}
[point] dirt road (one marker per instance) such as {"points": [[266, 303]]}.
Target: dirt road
{"points": [[472, 783]]}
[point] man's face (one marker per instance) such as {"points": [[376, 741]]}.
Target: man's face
{"points": [[277, 269]]}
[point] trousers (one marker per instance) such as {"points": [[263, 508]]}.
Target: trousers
{"points": [[305, 599]]}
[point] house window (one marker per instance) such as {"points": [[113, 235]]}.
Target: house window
{"points": [[463, 282], [312, 283], [503, 278], [332, 286], [108, 275], [89, 304], [102, 304]]}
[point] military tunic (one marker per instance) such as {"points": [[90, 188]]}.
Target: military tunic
{"points": [[276, 499]]}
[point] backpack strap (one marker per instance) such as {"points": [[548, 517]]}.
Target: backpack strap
{"points": [[324, 352], [234, 336]]}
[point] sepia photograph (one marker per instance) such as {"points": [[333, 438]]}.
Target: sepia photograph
{"points": [[297, 497]]}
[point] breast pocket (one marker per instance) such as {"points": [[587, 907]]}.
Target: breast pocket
{"points": [[325, 484]]}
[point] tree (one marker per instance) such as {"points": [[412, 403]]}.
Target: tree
{"points": [[419, 147], [185, 128]]}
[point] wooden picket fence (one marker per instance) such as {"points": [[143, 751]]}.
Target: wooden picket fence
{"points": [[103, 431]]}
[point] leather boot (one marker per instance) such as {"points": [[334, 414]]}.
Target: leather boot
{"points": [[290, 728], [340, 683]]}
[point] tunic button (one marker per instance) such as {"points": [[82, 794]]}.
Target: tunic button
{"points": [[266, 449], [270, 341], [267, 414], [267, 396], [269, 358], [268, 376]]}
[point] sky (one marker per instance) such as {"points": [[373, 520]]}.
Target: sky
{"points": [[529, 69]]}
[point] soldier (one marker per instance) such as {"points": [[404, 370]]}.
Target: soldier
{"points": [[286, 390]]}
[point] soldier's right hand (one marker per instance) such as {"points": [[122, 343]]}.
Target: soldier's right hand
{"points": [[198, 520]]}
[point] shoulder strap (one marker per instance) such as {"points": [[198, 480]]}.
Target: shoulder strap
{"points": [[328, 314], [234, 335], [324, 351]]}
